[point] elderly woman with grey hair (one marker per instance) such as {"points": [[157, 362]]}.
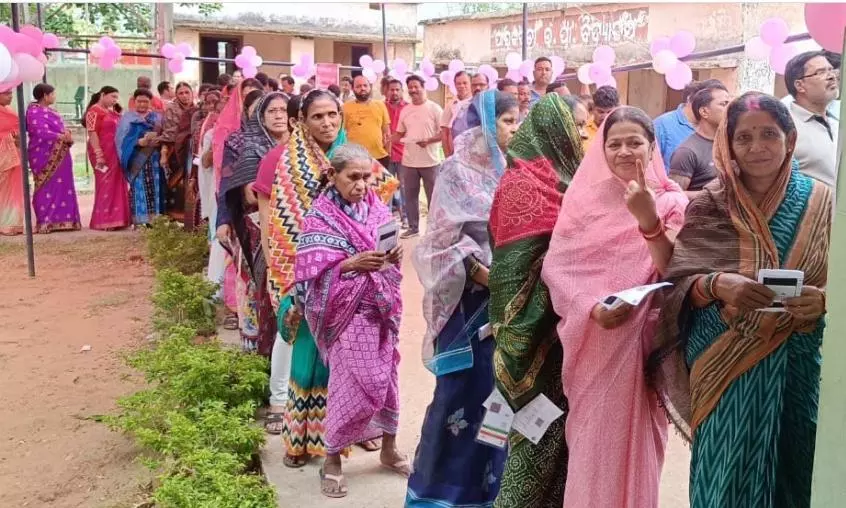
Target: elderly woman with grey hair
{"points": [[350, 292]]}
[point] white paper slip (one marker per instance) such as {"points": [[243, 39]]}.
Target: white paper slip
{"points": [[485, 331], [497, 422], [387, 236], [535, 417], [784, 283], [631, 296]]}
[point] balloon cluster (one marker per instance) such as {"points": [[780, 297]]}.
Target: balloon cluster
{"points": [[427, 72], [371, 68], [770, 44], [489, 72], [176, 55], [666, 52], [399, 69], [599, 71], [305, 69], [248, 61], [447, 77], [106, 52], [517, 70], [826, 23], [22, 55]]}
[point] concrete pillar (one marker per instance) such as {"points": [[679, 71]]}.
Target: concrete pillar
{"points": [[753, 74], [828, 489]]}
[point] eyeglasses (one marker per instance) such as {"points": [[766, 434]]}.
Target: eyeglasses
{"points": [[822, 73]]}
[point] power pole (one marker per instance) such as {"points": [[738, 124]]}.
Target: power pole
{"points": [[164, 32]]}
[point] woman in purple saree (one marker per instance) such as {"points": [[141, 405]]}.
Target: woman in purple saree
{"points": [[352, 303], [54, 199]]}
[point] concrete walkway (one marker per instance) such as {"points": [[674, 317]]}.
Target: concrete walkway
{"points": [[371, 486]]}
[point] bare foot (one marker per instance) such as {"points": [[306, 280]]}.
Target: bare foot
{"points": [[397, 462]]}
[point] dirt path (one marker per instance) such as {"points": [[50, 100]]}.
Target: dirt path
{"points": [[91, 289]]}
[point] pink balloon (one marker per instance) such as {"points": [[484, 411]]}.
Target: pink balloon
{"points": [[757, 49], [14, 72], [370, 74], [307, 60], [249, 72], [456, 66], [168, 50], [175, 65], [298, 71], [112, 52], [248, 50], [683, 43], [42, 58], [599, 73], [825, 23], [558, 65], [26, 44], [489, 72], [242, 61], [780, 55], [400, 66], [604, 55], [106, 41], [7, 36], [97, 50], [514, 75], [512, 61], [32, 32], [431, 84], [447, 77], [527, 69], [50, 41], [774, 31], [584, 75], [612, 82], [378, 66], [184, 48], [30, 69], [679, 76], [664, 61], [427, 67], [107, 64], [255, 61], [5, 86], [365, 61], [178, 56], [659, 44]]}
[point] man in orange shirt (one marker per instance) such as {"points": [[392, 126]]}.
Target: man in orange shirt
{"points": [[143, 82], [367, 122]]}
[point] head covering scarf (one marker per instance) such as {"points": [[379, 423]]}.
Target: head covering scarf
{"points": [[213, 97], [542, 159], [229, 121], [458, 230], [726, 231], [296, 185]]}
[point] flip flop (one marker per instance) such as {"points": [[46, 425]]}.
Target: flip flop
{"points": [[340, 483], [272, 419], [401, 467], [230, 322], [371, 445], [295, 461]]}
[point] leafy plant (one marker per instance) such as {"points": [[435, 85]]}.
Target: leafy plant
{"points": [[169, 246], [184, 301]]}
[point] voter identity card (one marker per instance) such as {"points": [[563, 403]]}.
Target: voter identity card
{"points": [[387, 236], [631, 296], [784, 283], [497, 422]]}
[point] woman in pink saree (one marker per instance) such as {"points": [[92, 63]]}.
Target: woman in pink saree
{"points": [[352, 302], [11, 171], [111, 192], [615, 231]]}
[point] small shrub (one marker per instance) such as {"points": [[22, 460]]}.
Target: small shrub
{"points": [[185, 301], [170, 247]]}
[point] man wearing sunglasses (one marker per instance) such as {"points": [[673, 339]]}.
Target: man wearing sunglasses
{"points": [[813, 83]]}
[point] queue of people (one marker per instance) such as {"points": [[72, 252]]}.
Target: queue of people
{"points": [[545, 206]]}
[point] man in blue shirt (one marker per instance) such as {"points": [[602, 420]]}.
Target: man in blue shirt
{"points": [[543, 77], [673, 127]]}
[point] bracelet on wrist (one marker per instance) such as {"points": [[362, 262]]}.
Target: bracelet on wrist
{"points": [[655, 233]]}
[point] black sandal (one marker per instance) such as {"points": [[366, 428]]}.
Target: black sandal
{"points": [[230, 322]]}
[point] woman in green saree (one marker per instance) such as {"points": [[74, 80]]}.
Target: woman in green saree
{"points": [[542, 158], [741, 383]]}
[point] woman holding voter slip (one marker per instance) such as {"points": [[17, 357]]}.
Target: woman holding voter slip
{"points": [[615, 232], [457, 462], [743, 383]]}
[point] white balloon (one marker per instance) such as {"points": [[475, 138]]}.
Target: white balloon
{"points": [[664, 61], [5, 62], [370, 74]]}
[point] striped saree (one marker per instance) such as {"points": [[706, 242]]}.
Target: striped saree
{"points": [[745, 386]]}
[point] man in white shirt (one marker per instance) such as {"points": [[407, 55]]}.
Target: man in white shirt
{"points": [[812, 81], [418, 129]]}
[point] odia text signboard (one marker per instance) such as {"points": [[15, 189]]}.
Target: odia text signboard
{"points": [[609, 27], [326, 74]]}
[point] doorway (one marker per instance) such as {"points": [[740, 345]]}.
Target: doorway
{"points": [[356, 52], [213, 46]]}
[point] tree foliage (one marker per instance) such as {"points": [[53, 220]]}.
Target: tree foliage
{"points": [[110, 18]]}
